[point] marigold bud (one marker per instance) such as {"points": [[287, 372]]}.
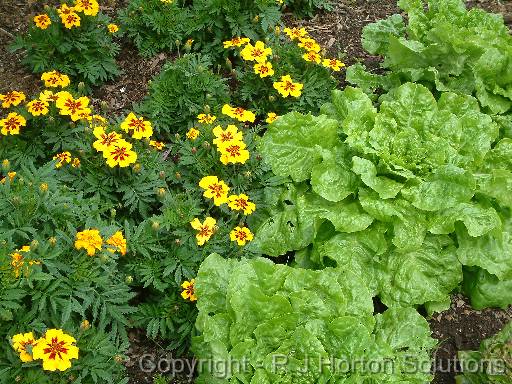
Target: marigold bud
{"points": [[6, 165], [194, 150], [161, 192], [118, 358], [137, 167], [178, 175], [104, 105], [43, 187], [155, 225], [206, 108], [277, 30], [161, 175], [256, 19], [34, 244], [81, 86], [271, 98], [128, 279], [85, 325], [248, 174], [177, 241], [113, 212], [52, 240], [104, 258], [206, 145], [177, 136], [229, 64], [16, 200]]}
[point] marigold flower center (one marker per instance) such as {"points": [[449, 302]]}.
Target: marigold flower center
{"points": [[56, 348], [256, 52], [119, 153], [108, 138], [205, 231], [233, 150], [289, 86], [216, 189], [241, 235], [10, 97], [11, 124], [73, 106], [137, 125], [242, 203], [38, 106]]}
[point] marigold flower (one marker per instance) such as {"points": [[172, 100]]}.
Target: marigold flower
{"points": [[42, 21], [48, 96], [112, 28], [334, 64], [56, 349], [120, 154], [85, 325], [238, 113], [286, 87], [258, 52], [12, 123], [189, 291], [55, 79], [18, 261], [71, 20], [105, 140], [68, 106], [312, 56], [233, 152], [241, 203], [264, 69], [140, 127], [157, 144], [214, 189], [90, 240], [230, 134], [88, 7], [75, 163], [167, 1], [10, 175], [12, 98], [309, 44], [118, 241], [204, 230], [63, 158], [23, 343], [295, 33], [241, 235], [64, 10], [192, 134], [38, 107], [236, 42], [206, 118], [271, 117]]}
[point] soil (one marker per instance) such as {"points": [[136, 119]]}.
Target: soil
{"points": [[339, 31]]}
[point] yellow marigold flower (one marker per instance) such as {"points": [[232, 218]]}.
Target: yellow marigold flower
{"points": [[286, 87], [42, 21], [236, 42], [238, 113], [38, 107], [206, 118], [12, 123], [56, 349], [140, 127], [12, 98], [334, 64], [241, 203], [312, 56], [112, 28], [214, 189], [192, 134], [189, 42], [157, 144], [264, 69], [189, 291], [167, 1], [64, 10], [233, 152], [85, 325], [271, 117], [68, 106], [48, 96], [75, 163], [258, 52], [120, 154], [88, 7], [295, 33], [55, 79], [23, 343], [17, 263], [90, 240], [241, 235], [204, 230], [64, 157], [105, 140], [118, 242], [71, 20], [230, 134], [10, 175], [309, 44]]}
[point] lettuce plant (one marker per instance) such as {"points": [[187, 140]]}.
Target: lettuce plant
{"points": [[445, 46], [261, 322], [404, 194]]}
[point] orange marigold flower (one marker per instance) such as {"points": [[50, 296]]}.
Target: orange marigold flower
{"points": [[309, 44], [88, 7], [10, 175], [56, 349], [71, 20], [90, 240], [286, 87], [120, 154], [75, 108], [118, 241], [105, 140], [271, 117]]}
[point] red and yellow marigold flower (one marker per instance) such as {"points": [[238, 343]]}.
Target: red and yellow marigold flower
{"points": [[10, 175], [42, 21], [264, 69], [48, 96], [206, 118], [23, 343], [141, 128], [62, 158], [38, 107], [238, 113], [258, 52], [286, 87], [241, 203], [233, 152], [55, 79], [12, 123], [118, 242], [112, 28], [189, 292], [205, 230], [75, 163], [70, 20], [64, 10], [90, 240], [157, 144], [56, 349], [214, 189], [12, 98], [241, 235], [271, 117], [231, 133], [295, 33], [192, 134], [312, 56], [75, 108], [120, 154], [88, 7], [334, 64], [236, 42], [309, 44], [105, 140]]}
